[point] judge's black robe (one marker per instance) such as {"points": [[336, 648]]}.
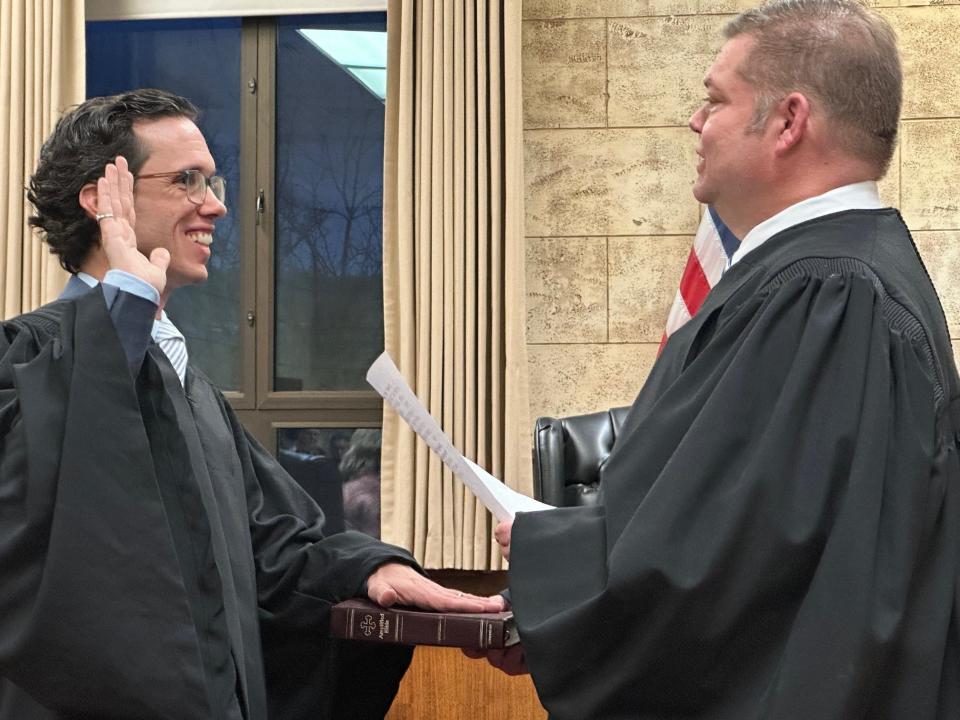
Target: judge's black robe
{"points": [[779, 530], [146, 541]]}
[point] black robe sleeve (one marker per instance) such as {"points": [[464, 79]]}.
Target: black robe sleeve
{"points": [[778, 533], [300, 573], [294, 558], [77, 606]]}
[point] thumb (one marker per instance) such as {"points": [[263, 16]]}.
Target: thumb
{"points": [[160, 257], [383, 595]]}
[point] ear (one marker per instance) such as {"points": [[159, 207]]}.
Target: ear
{"points": [[793, 116], [88, 199]]}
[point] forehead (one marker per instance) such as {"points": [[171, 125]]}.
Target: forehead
{"points": [[174, 143], [734, 52]]}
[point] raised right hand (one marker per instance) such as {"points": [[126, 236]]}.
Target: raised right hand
{"points": [[117, 236]]}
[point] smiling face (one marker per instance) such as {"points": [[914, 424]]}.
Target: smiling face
{"points": [[734, 164], [165, 217]]}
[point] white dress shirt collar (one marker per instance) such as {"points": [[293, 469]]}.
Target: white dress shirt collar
{"points": [[857, 196]]}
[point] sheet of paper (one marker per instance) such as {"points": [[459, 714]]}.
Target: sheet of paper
{"points": [[503, 502]]}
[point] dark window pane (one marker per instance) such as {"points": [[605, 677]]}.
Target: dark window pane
{"points": [[199, 59], [329, 165], [340, 468]]}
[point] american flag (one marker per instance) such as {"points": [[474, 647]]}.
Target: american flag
{"points": [[712, 249]]}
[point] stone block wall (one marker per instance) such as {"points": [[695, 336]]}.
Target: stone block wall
{"points": [[608, 87]]}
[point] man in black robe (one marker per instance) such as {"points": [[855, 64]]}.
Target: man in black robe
{"points": [[779, 530], [149, 547]]}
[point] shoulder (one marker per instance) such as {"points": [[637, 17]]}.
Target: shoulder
{"points": [[857, 287], [204, 392], [870, 249], [201, 383], [45, 318], [892, 302], [40, 325]]}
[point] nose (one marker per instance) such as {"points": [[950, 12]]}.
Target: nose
{"points": [[695, 122], [212, 207]]}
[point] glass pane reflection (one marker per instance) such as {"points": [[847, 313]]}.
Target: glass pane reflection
{"points": [[340, 469], [329, 177], [125, 55]]}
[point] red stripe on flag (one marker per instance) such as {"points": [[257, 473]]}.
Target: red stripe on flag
{"points": [[694, 285]]}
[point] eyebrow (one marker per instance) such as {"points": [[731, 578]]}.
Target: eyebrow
{"points": [[199, 170]]}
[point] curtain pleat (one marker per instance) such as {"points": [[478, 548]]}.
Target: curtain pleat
{"points": [[41, 75], [453, 268]]}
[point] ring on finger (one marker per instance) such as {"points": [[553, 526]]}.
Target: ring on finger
{"points": [[103, 216]]}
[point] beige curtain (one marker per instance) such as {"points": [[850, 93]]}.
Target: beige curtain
{"points": [[41, 74], [453, 267]]}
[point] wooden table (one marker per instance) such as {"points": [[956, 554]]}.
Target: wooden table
{"points": [[444, 684]]}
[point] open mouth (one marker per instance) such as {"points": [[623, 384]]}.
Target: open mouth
{"points": [[202, 238]]}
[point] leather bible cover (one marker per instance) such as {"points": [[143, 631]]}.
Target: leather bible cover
{"points": [[359, 619]]}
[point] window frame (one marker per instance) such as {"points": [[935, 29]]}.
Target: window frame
{"points": [[174, 9], [274, 409]]}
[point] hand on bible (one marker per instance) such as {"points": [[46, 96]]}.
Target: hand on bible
{"points": [[502, 534], [510, 660], [399, 584], [117, 218]]}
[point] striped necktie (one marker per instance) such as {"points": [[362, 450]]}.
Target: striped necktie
{"points": [[173, 344]]}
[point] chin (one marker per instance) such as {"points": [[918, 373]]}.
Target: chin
{"points": [[195, 277], [702, 195]]}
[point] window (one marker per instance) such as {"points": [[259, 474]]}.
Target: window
{"points": [[340, 468], [291, 316], [328, 253]]}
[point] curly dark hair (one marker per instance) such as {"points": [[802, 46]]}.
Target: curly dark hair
{"points": [[84, 140]]}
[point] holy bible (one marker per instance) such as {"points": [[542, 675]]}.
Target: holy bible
{"points": [[359, 619]]}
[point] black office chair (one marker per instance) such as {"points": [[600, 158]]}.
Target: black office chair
{"points": [[568, 454]]}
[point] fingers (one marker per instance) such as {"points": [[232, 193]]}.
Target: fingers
{"points": [[160, 257], [437, 597], [115, 203], [104, 202], [125, 188], [510, 660], [502, 535], [115, 217], [125, 176], [383, 595], [395, 583], [500, 602], [115, 192]]}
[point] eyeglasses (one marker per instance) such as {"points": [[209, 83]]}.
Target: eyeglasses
{"points": [[196, 184]]}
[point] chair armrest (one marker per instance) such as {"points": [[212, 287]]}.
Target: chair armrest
{"points": [[548, 461], [568, 454]]}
